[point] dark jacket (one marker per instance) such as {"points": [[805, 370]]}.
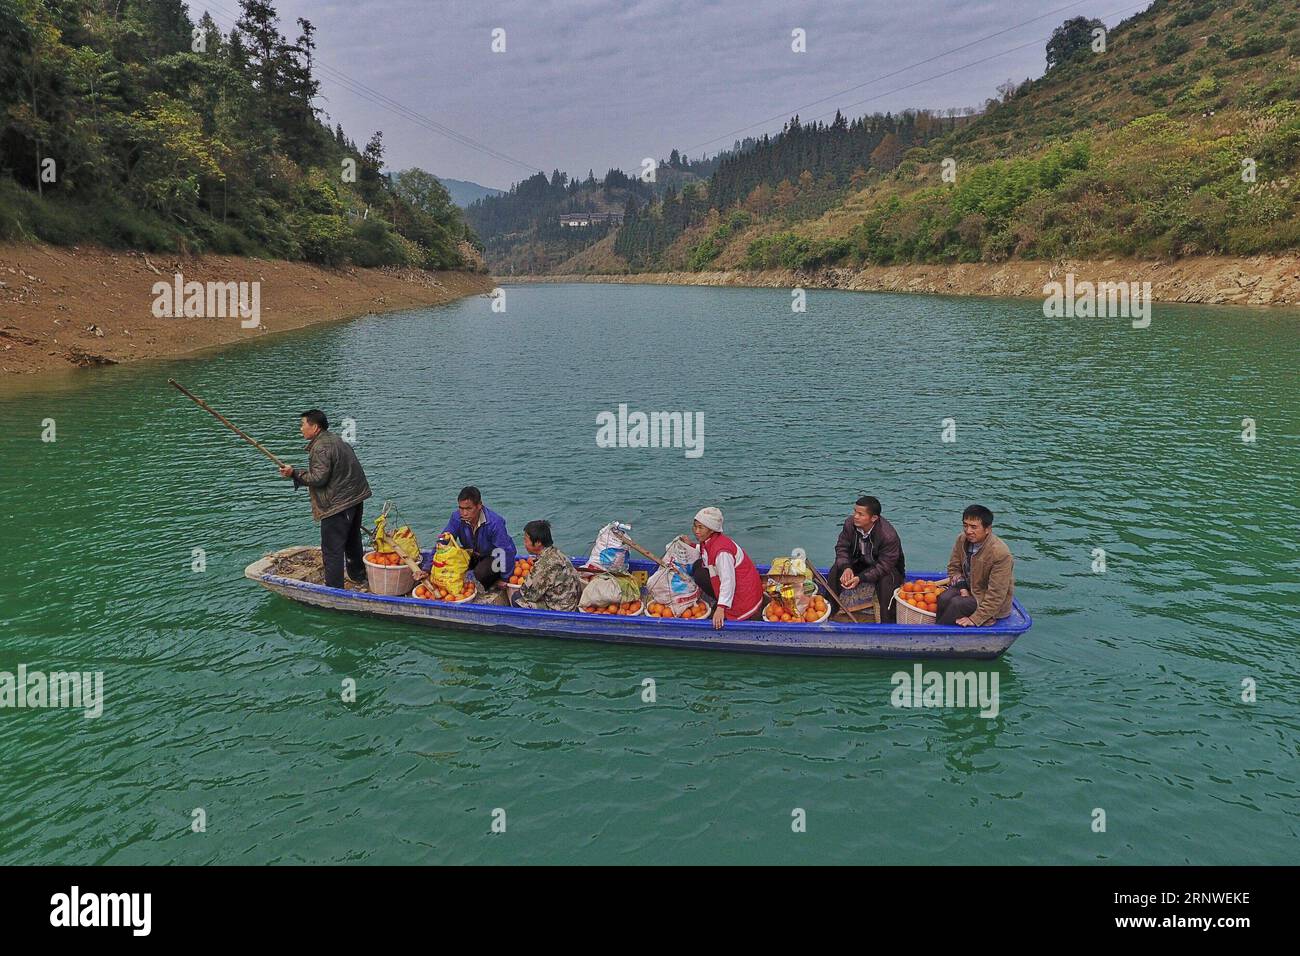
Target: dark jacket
{"points": [[333, 475], [991, 578], [882, 564]]}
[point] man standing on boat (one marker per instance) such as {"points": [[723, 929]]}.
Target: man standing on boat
{"points": [[980, 574], [869, 551], [724, 571], [482, 532], [337, 486]]}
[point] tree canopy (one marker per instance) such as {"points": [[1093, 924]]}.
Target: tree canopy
{"points": [[126, 123]]}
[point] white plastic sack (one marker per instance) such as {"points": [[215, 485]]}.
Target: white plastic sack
{"points": [[606, 589], [668, 588], [609, 553]]}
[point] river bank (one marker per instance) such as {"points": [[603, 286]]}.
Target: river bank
{"points": [[1257, 280], [66, 307]]}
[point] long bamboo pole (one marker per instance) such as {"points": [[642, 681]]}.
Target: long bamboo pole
{"points": [[657, 560], [225, 421]]}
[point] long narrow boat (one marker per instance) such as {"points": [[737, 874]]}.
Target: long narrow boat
{"points": [[828, 638]]}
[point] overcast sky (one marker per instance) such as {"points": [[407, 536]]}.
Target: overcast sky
{"points": [[600, 83]]}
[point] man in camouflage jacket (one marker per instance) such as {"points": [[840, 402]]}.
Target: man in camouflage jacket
{"points": [[553, 584]]}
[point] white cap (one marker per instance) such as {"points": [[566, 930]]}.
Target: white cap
{"points": [[711, 518]]}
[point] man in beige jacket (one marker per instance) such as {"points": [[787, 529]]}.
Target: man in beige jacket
{"points": [[980, 577]]}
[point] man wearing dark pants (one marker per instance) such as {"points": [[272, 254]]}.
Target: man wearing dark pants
{"points": [[980, 576], [869, 551], [337, 486]]}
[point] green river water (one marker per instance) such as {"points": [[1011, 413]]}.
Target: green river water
{"points": [[1126, 696]]}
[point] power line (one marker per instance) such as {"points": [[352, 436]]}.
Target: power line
{"points": [[885, 76], [359, 89], [958, 69]]}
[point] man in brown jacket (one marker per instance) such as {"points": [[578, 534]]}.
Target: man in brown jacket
{"points": [[337, 486], [979, 574]]}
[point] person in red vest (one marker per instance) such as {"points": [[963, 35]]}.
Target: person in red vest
{"points": [[725, 572]]}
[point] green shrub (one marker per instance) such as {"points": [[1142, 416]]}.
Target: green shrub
{"points": [[1191, 15], [24, 215], [1256, 44], [787, 250], [374, 244], [1172, 47], [323, 238]]}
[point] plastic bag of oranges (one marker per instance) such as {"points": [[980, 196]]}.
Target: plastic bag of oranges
{"points": [[450, 564], [398, 547], [667, 587], [607, 590]]}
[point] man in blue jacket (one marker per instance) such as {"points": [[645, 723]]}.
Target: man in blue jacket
{"points": [[482, 532]]}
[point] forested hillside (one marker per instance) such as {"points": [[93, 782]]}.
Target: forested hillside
{"points": [[127, 124], [521, 228], [799, 173], [1175, 133]]}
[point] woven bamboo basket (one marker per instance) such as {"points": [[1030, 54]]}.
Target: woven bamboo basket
{"points": [[909, 613], [388, 579]]}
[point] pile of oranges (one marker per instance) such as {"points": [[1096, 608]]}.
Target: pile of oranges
{"points": [[434, 592], [697, 610], [386, 559], [776, 614], [626, 609], [523, 568], [922, 595]]}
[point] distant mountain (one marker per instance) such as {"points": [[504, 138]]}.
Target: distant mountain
{"points": [[464, 193]]}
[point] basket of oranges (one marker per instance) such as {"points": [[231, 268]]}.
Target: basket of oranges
{"points": [[523, 567], [387, 573], [431, 591], [816, 611], [918, 601], [626, 609], [698, 610]]}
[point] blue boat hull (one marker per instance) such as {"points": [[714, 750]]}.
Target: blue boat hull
{"points": [[759, 637]]}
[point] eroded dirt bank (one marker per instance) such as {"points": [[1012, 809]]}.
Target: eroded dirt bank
{"points": [[62, 307], [1257, 280]]}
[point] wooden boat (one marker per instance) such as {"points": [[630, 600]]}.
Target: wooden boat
{"points": [[829, 638]]}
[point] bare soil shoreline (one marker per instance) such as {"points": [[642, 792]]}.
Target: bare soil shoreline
{"points": [[80, 306], [1211, 280]]}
